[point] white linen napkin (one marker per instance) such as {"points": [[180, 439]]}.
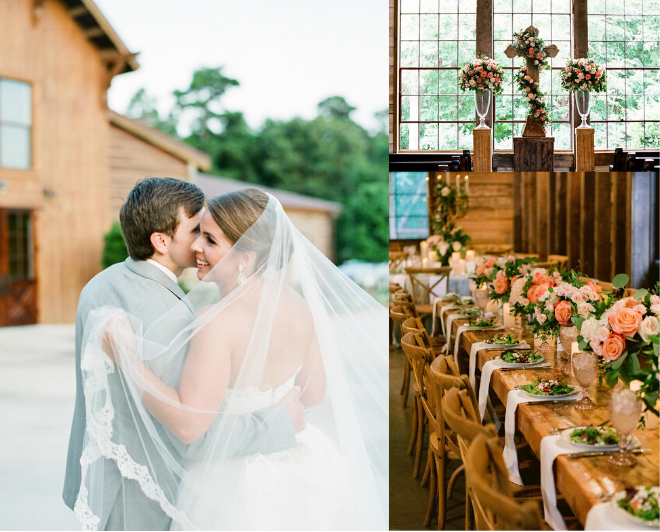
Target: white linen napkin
{"points": [[551, 448], [464, 328], [514, 398], [603, 517], [442, 314]]}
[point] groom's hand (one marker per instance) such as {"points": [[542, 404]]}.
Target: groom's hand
{"points": [[295, 408]]}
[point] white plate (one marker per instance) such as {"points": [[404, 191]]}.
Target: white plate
{"points": [[505, 346], [566, 434], [519, 364], [553, 397], [631, 517]]}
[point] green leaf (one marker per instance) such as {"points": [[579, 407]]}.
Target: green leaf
{"points": [[578, 321], [641, 293], [620, 280], [583, 344], [634, 364], [611, 378], [619, 361]]}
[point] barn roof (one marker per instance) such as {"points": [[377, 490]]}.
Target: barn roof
{"points": [[157, 138], [214, 186], [99, 32]]}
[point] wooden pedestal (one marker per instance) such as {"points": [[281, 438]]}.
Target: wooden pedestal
{"points": [[585, 160], [533, 154], [483, 150]]}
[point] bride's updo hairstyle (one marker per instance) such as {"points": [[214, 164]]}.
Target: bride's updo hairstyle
{"points": [[236, 212]]}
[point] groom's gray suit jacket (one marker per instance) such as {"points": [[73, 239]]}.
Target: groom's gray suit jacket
{"points": [[147, 293]]}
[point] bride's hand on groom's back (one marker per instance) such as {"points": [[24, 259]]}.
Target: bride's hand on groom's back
{"points": [[295, 408]]}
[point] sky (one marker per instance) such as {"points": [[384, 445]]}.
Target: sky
{"points": [[288, 55]]}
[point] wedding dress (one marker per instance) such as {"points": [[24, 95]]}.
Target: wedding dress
{"points": [[294, 303], [302, 488]]}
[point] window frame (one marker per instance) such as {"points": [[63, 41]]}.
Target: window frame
{"points": [[30, 128]]}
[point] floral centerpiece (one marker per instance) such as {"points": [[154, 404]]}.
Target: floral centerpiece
{"points": [[529, 44], [452, 204], [506, 271], [620, 331], [483, 270], [553, 300], [583, 74], [484, 73]]}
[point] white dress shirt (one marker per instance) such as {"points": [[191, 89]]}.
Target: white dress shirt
{"points": [[167, 272]]}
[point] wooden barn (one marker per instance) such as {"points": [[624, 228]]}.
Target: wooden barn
{"points": [[66, 161]]}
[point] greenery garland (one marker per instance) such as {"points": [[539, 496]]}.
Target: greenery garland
{"points": [[527, 44], [452, 204]]}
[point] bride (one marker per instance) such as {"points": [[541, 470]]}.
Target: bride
{"points": [[272, 313]]}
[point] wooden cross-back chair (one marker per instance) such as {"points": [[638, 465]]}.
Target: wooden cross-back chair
{"points": [[398, 260], [399, 314], [417, 286], [560, 260], [402, 298], [495, 508], [432, 342], [441, 376], [493, 249], [418, 356]]}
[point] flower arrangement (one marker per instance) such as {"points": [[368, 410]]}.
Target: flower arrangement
{"points": [[553, 300], [506, 272], [448, 237], [583, 74], [619, 331], [534, 97], [528, 44], [484, 73], [483, 269]]}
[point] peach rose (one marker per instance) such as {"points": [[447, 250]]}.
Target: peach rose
{"points": [[491, 262], [625, 321], [531, 294], [542, 278], [501, 283], [480, 269], [541, 290], [563, 312], [613, 347], [514, 279]]}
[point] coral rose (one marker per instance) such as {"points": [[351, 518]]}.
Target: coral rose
{"points": [[480, 269], [613, 347], [563, 312], [541, 278], [501, 283], [531, 294], [541, 290], [625, 321]]}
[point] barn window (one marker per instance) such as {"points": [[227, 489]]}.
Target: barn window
{"points": [[15, 124]]}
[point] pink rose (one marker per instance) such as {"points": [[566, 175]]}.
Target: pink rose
{"points": [[602, 334], [501, 283], [613, 347], [578, 297], [563, 312], [491, 262], [625, 321]]}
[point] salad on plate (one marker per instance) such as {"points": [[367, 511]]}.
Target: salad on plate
{"points": [[484, 323], [639, 504], [503, 339], [520, 357], [594, 436], [550, 387]]}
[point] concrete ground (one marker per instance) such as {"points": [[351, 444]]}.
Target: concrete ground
{"points": [[37, 390]]}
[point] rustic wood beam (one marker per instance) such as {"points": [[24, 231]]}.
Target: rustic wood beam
{"points": [[580, 42], [93, 32], [78, 11]]}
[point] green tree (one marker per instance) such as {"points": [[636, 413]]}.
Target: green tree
{"points": [[114, 250], [142, 107]]}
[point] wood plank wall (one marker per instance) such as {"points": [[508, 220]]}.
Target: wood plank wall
{"points": [[490, 219], [133, 159], [69, 142], [607, 223]]}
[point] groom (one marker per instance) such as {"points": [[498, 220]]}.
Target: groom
{"points": [[160, 220]]}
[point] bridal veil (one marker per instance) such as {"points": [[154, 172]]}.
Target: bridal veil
{"points": [[265, 320]]}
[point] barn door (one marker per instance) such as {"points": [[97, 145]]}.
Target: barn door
{"points": [[18, 298]]}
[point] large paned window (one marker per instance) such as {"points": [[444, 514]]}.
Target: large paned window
{"points": [[15, 124], [624, 36], [436, 37], [553, 20], [409, 216]]}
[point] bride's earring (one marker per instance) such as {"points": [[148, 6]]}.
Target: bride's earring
{"points": [[241, 277]]}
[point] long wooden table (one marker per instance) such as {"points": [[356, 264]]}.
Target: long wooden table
{"points": [[581, 481]]}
